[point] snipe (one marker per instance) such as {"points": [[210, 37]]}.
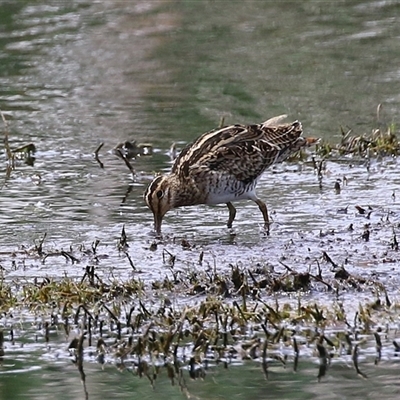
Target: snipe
{"points": [[224, 165]]}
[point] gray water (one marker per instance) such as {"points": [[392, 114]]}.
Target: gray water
{"points": [[79, 73], [238, 382]]}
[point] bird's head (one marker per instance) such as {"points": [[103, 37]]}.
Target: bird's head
{"points": [[159, 198]]}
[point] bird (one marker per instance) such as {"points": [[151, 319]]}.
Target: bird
{"points": [[225, 165]]}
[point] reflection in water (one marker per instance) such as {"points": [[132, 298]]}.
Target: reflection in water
{"points": [[76, 74], [245, 381], [162, 72]]}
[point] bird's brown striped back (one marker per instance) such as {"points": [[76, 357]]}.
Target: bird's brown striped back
{"points": [[245, 151]]}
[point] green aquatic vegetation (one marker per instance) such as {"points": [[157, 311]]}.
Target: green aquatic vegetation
{"points": [[239, 314], [380, 142]]}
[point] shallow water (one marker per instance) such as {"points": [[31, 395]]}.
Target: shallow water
{"points": [[53, 375], [72, 77], [161, 72]]}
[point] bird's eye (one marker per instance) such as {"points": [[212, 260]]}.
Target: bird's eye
{"points": [[160, 194]]}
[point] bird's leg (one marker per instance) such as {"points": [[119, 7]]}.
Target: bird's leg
{"points": [[232, 214], [263, 208]]}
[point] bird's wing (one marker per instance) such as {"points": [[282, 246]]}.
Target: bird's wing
{"points": [[242, 151]]}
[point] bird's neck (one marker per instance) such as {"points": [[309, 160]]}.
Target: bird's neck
{"points": [[186, 192]]}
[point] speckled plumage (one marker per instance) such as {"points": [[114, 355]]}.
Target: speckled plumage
{"points": [[224, 165]]}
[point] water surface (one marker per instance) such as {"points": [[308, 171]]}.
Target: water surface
{"points": [[77, 74]]}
